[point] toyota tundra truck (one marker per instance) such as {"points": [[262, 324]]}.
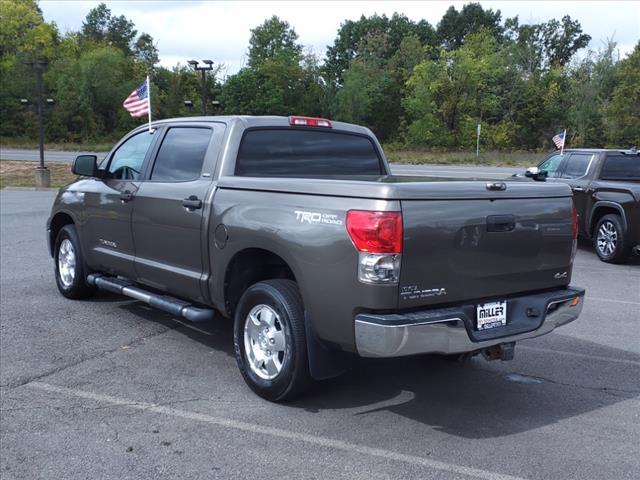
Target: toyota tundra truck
{"points": [[295, 228]]}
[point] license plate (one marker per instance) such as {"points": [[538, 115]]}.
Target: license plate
{"points": [[491, 315]]}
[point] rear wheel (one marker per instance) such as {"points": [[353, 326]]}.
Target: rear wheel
{"points": [[69, 265], [609, 240], [270, 341]]}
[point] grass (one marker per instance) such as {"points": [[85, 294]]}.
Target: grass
{"points": [[23, 174], [29, 144], [495, 159]]}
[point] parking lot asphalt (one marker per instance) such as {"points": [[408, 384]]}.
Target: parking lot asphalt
{"points": [[108, 388]]}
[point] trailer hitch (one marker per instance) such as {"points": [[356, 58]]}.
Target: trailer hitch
{"points": [[502, 351]]}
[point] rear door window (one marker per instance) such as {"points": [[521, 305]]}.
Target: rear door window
{"points": [[577, 165], [306, 153], [621, 167], [181, 154]]}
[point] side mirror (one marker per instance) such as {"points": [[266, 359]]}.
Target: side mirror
{"points": [[85, 166], [536, 174]]}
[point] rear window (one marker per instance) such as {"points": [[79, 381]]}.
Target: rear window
{"points": [[306, 153], [621, 167]]}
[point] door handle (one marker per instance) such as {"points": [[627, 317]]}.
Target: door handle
{"points": [[126, 196], [192, 203], [577, 189], [501, 223]]}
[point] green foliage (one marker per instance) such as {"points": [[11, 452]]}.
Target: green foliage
{"points": [[274, 40], [623, 114], [102, 27], [455, 26], [24, 33], [274, 82], [590, 89], [352, 33], [449, 96], [413, 85]]}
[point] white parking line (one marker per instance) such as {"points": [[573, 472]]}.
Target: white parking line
{"points": [[611, 300], [278, 432], [581, 355]]}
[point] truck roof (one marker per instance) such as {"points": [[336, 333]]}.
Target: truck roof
{"points": [[599, 150], [260, 121]]}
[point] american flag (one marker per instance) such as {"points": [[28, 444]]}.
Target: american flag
{"points": [[558, 139], [137, 104]]}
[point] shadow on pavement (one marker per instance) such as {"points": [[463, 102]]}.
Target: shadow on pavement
{"points": [[472, 400]]}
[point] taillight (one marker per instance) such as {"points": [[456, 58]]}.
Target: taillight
{"points": [[378, 238], [375, 232], [309, 122]]}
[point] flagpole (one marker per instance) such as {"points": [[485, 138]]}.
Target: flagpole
{"points": [[564, 136], [149, 100]]}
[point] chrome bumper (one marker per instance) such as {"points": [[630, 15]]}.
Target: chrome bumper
{"points": [[447, 331]]}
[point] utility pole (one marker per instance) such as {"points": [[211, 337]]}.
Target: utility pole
{"points": [[43, 176], [208, 66]]}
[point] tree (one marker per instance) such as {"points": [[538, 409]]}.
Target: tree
{"points": [[372, 89], [455, 26], [24, 32], [448, 97], [273, 40], [351, 34], [90, 93], [102, 27], [544, 45], [591, 85], [24, 36], [622, 118], [145, 51], [278, 79], [96, 23]]}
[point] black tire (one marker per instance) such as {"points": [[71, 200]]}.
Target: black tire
{"points": [[622, 250], [283, 298], [75, 288]]}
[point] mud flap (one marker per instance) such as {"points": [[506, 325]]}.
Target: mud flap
{"points": [[324, 362]]}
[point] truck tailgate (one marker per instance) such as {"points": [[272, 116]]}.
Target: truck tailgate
{"points": [[485, 245]]}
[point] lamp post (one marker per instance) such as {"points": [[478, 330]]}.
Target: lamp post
{"points": [[43, 176], [208, 66]]}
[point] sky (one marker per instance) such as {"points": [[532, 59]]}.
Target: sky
{"points": [[220, 30]]}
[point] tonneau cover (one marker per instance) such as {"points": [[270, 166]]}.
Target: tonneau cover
{"points": [[397, 187]]}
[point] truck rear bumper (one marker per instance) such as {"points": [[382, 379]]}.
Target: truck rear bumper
{"points": [[452, 330]]}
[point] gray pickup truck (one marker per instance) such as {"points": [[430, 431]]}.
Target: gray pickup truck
{"points": [[295, 228]]}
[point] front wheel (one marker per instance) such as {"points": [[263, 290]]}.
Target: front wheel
{"points": [[69, 265], [609, 240], [270, 342]]}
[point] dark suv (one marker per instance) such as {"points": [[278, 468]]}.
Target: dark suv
{"points": [[606, 192]]}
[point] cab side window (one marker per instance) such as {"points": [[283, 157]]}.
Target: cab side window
{"points": [[181, 154], [577, 165], [126, 162], [552, 165]]}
